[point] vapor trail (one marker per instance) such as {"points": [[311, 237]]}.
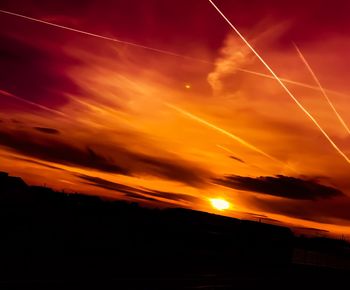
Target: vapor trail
{"points": [[299, 84], [167, 52], [99, 36], [223, 131], [282, 84], [60, 113], [7, 94], [321, 89], [187, 57], [225, 149]]}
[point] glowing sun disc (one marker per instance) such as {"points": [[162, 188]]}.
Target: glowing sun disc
{"points": [[219, 204]]}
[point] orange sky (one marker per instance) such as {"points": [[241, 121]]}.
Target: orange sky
{"points": [[84, 114]]}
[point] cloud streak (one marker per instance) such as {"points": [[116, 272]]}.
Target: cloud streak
{"points": [[281, 186], [121, 161], [47, 130], [138, 192]]}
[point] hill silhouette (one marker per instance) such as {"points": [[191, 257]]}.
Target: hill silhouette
{"points": [[68, 239]]}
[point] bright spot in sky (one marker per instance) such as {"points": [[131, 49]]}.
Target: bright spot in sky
{"points": [[219, 204], [187, 86]]}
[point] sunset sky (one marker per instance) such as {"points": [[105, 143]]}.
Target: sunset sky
{"points": [[179, 110]]}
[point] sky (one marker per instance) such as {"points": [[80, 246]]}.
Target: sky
{"points": [[178, 110]]}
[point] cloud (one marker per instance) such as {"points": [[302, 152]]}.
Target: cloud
{"points": [[57, 151], [281, 186], [171, 169], [304, 199], [309, 230], [330, 211], [116, 158], [33, 162], [237, 159], [135, 192], [232, 56], [173, 196], [47, 130]]}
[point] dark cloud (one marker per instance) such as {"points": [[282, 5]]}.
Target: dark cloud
{"points": [[335, 210], [261, 217], [33, 162], [173, 196], [282, 186], [47, 130], [121, 161], [57, 151], [103, 183], [237, 159], [301, 230], [171, 169], [134, 192]]}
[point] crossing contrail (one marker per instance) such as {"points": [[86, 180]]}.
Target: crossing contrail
{"points": [[282, 84], [223, 131], [193, 59], [341, 120], [162, 51]]}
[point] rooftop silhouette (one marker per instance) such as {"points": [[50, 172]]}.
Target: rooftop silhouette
{"points": [[52, 236]]}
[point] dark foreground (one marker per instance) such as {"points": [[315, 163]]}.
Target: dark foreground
{"points": [[51, 240]]}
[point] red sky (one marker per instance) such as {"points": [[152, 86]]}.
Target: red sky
{"points": [[85, 114]]}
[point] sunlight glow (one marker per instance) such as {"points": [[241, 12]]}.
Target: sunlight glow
{"points": [[219, 204]]}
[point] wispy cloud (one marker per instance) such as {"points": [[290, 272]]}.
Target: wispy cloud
{"points": [[232, 57]]}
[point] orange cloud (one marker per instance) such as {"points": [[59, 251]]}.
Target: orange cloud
{"points": [[94, 120]]}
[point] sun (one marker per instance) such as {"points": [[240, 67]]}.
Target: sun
{"points": [[219, 203]]}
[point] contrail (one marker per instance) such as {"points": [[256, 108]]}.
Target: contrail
{"points": [[166, 52], [223, 131], [321, 89], [187, 57], [100, 36], [299, 84], [225, 149], [282, 84], [7, 94]]}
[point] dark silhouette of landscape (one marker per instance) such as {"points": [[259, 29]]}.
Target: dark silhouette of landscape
{"points": [[55, 240]]}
